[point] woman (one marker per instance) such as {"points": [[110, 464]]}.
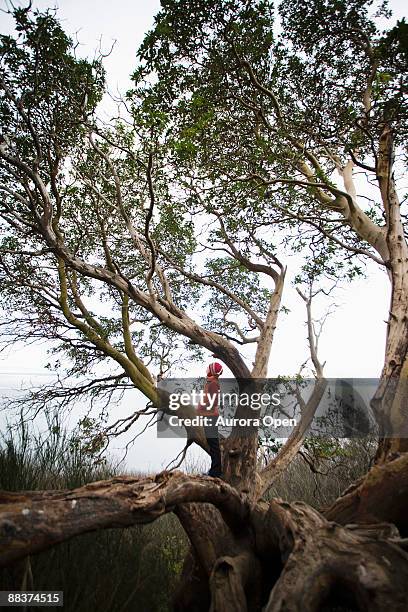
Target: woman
{"points": [[209, 409]]}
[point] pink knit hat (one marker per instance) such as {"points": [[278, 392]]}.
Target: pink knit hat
{"points": [[214, 369]]}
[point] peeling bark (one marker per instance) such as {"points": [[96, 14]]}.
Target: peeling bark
{"points": [[239, 450], [229, 583], [239, 454], [33, 521]]}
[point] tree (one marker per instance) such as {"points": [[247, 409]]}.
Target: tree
{"points": [[79, 211], [288, 116], [115, 215]]}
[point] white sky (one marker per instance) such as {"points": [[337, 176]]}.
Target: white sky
{"points": [[353, 341]]}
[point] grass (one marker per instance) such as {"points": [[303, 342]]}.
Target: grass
{"points": [[330, 476]]}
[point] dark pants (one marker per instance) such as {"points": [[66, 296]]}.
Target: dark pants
{"points": [[211, 433]]}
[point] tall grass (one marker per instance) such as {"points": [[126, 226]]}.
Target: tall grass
{"points": [[118, 570], [321, 480]]}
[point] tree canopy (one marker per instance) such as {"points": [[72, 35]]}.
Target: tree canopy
{"points": [[251, 132]]}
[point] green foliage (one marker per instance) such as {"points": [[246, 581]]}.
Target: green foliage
{"points": [[48, 100], [53, 88], [339, 43], [222, 312], [223, 126]]}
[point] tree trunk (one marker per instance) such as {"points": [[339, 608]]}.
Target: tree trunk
{"points": [[390, 402], [379, 496], [239, 457], [264, 346], [240, 449]]}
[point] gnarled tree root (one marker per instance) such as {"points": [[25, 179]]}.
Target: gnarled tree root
{"points": [[324, 562], [35, 520], [245, 555], [235, 583]]}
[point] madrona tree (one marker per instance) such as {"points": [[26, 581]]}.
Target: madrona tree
{"points": [[84, 201], [312, 116], [111, 236]]}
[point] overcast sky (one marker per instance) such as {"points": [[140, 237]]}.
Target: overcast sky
{"points": [[353, 341]]}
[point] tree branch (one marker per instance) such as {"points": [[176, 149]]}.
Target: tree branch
{"points": [[34, 521]]}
